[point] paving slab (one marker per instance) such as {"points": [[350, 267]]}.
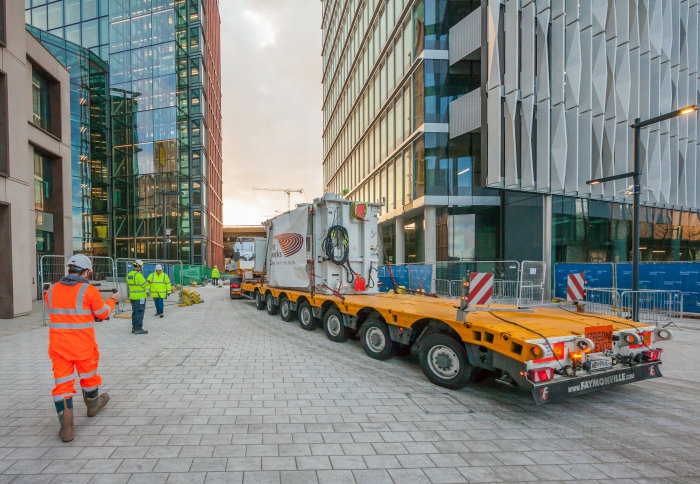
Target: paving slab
{"points": [[221, 392]]}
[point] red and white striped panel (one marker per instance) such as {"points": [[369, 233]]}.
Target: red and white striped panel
{"points": [[575, 287], [481, 288]]}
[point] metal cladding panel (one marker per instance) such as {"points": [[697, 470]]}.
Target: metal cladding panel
{"points": [[494, 115], [510, 116], [512, 51], [465, 113], [527, 159], [558, 44], [527, 55], [465, 36], [586, 71]]}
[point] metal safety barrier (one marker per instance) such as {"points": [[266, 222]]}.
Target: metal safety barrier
{"points": [[52, 268], [659, 307]]}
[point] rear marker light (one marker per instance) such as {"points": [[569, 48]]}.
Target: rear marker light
{"points": [[652, 355], [645, 340], [541, 374]]}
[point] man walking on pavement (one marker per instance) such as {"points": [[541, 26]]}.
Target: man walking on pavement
{"points": [[160, 288], [215, 276], [138, 289], [73, 306]]}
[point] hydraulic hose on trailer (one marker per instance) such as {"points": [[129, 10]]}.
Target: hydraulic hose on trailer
{"points": [[336, 247]]}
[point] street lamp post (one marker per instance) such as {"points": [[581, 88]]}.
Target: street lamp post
{"points": [[165, 235], [636, 175]]}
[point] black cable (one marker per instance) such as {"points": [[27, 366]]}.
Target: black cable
{"points": [[336, 239]]}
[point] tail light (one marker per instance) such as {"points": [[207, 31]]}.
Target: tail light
{"points": [[557, 353], [235, 285], [541, 374], [646, 340], [652, 355]]}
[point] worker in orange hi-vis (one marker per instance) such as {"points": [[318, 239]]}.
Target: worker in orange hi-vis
{"points": [[73, 306]]}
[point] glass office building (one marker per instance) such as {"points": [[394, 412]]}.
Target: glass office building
{"points": [[165, 118], [476, 125], [89, 118]]}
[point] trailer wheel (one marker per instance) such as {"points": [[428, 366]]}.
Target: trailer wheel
{"points": [[306, 317], [286, 312], [259, 301], [376, 340], [270, 304], [334, 327], [444, 361]]}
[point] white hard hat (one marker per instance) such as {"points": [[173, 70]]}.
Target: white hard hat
{"points": [[159, 267], [80, 261], [138, 262]]}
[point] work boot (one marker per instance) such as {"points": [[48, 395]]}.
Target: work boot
{"points": [[94, 402], [65, 417], [140, 331], [161, 315]]}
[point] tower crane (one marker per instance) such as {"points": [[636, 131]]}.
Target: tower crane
{"points": [[288, 191]]}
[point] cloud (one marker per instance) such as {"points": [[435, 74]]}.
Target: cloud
{"points": [[271, 103]]}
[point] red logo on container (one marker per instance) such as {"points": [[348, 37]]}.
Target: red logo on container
{"points": [[290, 243]]}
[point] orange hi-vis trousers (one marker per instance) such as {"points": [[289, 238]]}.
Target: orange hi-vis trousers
{"points": [[64, 375]]}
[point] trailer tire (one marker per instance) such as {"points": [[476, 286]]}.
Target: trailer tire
{"points": [[272, 309], [334, 327], [286, 312], [444, 361], [259, 301], [376, 340], [306, 317]]}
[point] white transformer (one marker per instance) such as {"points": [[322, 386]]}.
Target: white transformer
{"points": [[329, 246]]}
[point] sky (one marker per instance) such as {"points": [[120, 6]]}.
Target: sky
{"points": [[271, 105]]}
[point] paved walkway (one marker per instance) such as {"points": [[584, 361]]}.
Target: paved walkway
{"points": [[221, 392]]}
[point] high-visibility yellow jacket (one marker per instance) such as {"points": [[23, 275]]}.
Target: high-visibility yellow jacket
{"points": [[160, 285], [138, 286], [215, 273]]}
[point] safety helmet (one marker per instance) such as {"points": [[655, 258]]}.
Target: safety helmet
{"points": [[159, 267], [138, 262], [79, 261]]}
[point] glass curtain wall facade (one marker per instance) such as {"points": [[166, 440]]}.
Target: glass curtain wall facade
{"points": [[165, 118], [387, 86], [89, 117]]}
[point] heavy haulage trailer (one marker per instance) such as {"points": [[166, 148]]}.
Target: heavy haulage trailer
{"points": [[553, 351]]}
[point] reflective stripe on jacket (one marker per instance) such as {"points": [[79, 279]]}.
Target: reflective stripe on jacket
{"points": [[215, 273], [138, 286], [159, 285], [72, 312]]}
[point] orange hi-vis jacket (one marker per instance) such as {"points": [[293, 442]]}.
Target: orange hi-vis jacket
{"points": [[73, 305]]}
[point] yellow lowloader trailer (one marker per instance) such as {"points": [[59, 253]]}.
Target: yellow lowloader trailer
{"points": [[551, 351], [321, 268]]}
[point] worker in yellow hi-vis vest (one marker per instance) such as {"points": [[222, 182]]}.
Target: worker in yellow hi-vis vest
{"points": [[160, 288]]}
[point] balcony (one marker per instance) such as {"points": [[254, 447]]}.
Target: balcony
{"points": [[465, 37], [465, 114]]}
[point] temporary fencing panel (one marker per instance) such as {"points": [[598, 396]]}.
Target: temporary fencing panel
{"points": [[415, 277], [52, 268], [449, 277], [531, 290], [598, 275], [680, 276]]}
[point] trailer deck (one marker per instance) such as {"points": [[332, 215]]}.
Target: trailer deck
{"points": [[552, 342]]}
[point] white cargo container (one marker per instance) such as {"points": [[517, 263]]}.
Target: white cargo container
{"points": [[331, 245]]}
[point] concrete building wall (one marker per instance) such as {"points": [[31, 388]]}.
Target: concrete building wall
{"points": [[17, 189]]}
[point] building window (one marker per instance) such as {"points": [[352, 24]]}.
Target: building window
{"points": [[4, 125], [45, 102]]}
